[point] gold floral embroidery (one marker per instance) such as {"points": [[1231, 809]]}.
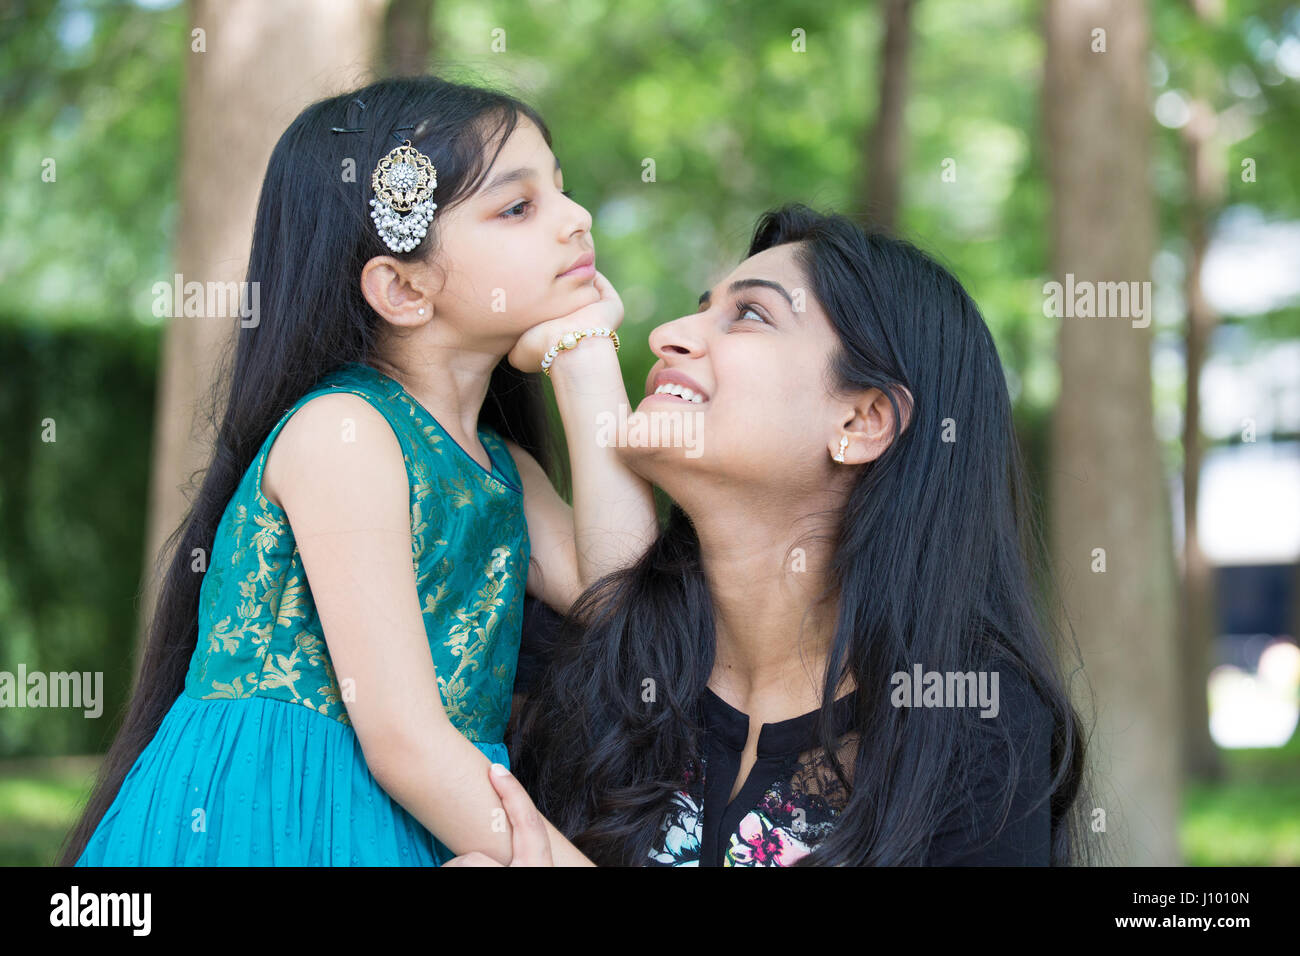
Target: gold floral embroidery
{"points": [[263, 635], [293, 602], [421, 483], [468, 641], [458, 495], [313, 648], [234, 689], [434, 598], [281, 671]]}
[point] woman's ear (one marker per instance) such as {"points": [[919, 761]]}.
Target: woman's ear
{"points": [[870, 426], [387, 285], [904, 399]]}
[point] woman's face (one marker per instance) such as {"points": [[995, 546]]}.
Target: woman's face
{"points": [[758, 353], [503, 250]]}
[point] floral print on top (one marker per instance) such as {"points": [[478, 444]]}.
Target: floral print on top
{"points": [[793, 798], [783, 811]]}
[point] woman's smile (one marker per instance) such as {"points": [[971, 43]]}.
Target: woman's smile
{"points": [[675, 386]]}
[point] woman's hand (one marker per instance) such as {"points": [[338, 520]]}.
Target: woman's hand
{"points": [[605, 312], [532, 846]]}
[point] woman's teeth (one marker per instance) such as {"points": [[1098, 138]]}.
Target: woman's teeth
{"points": [[681, 391]]}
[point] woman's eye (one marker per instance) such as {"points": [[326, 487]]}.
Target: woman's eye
{"points": [[519, 205], [743, 309]]}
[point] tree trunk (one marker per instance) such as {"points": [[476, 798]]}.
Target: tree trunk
{"points": [[1107, 489], [1205, 174], [408, 37], [261, 63], [884, 147]]}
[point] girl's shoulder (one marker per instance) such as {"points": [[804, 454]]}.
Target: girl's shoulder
{"points": [[353, 378], [360, 401], [430, 454]]}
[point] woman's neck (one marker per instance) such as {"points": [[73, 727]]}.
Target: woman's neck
{"points": [[774, 627]]}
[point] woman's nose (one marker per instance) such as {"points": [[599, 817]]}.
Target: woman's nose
{"points": [[677, 337]]}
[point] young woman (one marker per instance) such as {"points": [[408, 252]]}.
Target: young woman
{"points": [[329, 668], [776, 680]]}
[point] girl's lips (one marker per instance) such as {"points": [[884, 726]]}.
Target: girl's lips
{"points": [[582, 272]]}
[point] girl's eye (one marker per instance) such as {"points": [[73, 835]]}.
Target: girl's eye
{"points": [[514, 211], [744, 308], [518, 205]]}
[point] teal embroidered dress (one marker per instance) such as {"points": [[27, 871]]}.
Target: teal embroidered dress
{"points": [[256, 763]]}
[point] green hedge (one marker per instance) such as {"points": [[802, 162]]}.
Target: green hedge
{"points": [[72, 517]]}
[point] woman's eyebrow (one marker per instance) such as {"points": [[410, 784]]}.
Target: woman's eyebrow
{"points": [[740, 284], [514, 176]]}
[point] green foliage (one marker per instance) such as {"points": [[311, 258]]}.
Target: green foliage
{"points": [[1249, 819], [40, 801], [72, 517], [102, 117], [740, 106]]}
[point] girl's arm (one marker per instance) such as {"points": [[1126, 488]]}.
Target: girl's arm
{"points": [[612, 521], [348, 506]]}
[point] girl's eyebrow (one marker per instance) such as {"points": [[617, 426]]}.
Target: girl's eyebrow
{"points": [[514, 176]]}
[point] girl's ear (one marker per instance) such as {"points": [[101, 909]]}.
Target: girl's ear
{"points": [[387, 286]]}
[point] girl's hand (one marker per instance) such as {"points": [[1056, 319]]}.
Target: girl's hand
{"points": [[532, 847], [605, 312]]}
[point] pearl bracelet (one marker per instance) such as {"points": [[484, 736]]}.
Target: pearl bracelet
{"points": [[570, 340]]}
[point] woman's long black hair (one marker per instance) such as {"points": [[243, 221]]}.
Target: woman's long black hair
{"points": [[936, 560], [312, 235]]}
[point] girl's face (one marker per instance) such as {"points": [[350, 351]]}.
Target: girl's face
{"points": [[758, 351], [503, 251]]}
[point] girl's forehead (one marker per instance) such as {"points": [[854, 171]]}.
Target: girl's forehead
{"points": [[524, 140], [519, 159]]}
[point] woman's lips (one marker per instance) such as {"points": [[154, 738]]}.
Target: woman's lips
{"points": [[676, 398]]}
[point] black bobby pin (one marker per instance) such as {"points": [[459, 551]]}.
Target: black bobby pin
{"points": [[356, 129], [362, 129]]}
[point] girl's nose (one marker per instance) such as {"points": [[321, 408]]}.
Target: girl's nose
{"points": [[578, 220]]}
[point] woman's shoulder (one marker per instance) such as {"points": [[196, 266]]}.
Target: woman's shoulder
{"points": [[994, 824]]}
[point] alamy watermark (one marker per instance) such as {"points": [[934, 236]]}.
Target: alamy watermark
{"points": [[1100, 300], [680, 428], [56, 689], [75, 908], [205, 300], [923, 688]]}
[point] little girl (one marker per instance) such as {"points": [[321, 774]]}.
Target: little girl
{"points": [[329, 669]]}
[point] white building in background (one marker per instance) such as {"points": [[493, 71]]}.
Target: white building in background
{"points": [[1249, 503]]}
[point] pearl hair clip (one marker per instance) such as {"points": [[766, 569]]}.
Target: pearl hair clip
{"points": [[403, 182]]}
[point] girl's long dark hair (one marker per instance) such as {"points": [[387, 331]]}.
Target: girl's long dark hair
{"points": [[935, 562], [312, 235]]}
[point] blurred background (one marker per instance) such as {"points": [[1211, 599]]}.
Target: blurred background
{"points": [[1018, 141]]}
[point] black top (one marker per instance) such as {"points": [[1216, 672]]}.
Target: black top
{"points": [[792, 797]]}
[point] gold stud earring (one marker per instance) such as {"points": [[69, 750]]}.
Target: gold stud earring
{"points": [[844, 443]]}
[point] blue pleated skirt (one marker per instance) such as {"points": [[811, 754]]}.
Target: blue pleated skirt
{"points": [[258, 781]]}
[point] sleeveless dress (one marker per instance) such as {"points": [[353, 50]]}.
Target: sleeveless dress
{"points": [[256, 763]]}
